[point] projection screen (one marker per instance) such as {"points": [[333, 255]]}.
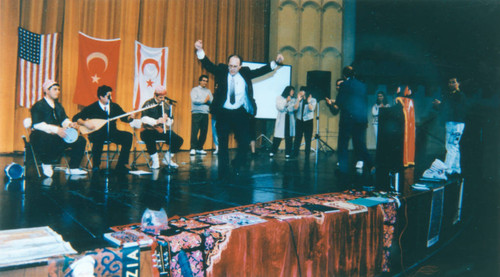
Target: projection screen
{"points": [[266, 88]]}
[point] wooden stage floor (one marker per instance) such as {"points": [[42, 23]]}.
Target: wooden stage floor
{"points": [[82, 209]]}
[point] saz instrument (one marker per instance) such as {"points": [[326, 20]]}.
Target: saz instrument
{"points": [[99, 123]]}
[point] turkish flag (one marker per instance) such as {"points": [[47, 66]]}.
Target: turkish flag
{"points": [[97, 66], [150, 72]]}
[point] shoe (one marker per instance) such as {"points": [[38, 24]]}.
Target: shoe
{"points": [[155, 161], [168, 161], [436, 171], [287, 156], [216, 150], [122, 169], [75, 171], [192, 152], [201, 152], [173, 164], [271, 154], [47, 170], [359, 164]]}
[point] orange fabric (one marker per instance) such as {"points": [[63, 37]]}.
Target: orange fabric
{"points": [[409, 137], [97, 66], [225, 27], [341, 245]]}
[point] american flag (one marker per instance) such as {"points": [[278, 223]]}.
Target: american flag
{"points": [[37, 62]]}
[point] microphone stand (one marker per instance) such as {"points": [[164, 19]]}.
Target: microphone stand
{"points": [[320, 144], [170, 107], [107, 139]]}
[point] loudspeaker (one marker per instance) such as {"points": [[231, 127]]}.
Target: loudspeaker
{"points": [[319, 83], [389, 154]]}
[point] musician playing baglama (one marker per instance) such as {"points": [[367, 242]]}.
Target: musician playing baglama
{"points": [[156, 123], [50, 124], [105, 109]]}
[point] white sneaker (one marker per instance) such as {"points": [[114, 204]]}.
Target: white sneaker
{"points": [[359, 164], [201, 152], [155, 161], [192, 152], [271, 154], [47, 170], [75, 171], [173, 164], [168, 161]]}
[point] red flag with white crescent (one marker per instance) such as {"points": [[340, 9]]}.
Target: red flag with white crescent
{"points": [[150, 72], [97, 66]]}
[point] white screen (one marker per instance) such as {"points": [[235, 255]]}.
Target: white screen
{"points": [[266, 88]]}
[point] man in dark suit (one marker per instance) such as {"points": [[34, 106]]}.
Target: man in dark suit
{"points": [[233, 104], [104, 109], [352, 103]]}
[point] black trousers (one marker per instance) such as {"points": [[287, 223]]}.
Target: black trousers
{"points": [[49, 147], [238, 122], [303, 128], [199, 124], [356, 130], [151, 136], [119, 137]]}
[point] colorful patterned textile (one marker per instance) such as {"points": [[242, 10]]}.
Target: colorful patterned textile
{"points": [[195, 243], [109, 261], [390, 211]]}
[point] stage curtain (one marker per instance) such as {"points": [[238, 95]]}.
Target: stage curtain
{"points": [[225, 26]]}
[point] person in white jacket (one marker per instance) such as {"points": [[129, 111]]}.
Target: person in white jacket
{"points": [[285, 121]]}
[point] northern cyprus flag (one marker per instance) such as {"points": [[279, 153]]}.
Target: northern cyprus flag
{"points": [[150, 72]]}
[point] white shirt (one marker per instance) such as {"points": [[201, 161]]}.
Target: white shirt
{"points": [[104, 107], [240, 88]]}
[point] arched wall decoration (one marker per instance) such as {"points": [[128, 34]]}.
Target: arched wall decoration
{"points": [[321, 51]]}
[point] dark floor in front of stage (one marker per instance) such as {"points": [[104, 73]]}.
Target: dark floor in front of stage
{"points": [[81, 210]]}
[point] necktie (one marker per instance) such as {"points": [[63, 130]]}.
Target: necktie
{"points": [[303, 108], [231, 91]]}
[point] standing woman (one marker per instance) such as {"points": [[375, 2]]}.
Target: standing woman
{"points": [[285, 121], [304, 106], [380, 103]]}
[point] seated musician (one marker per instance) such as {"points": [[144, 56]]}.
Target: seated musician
{"points": [[49, 123], [105, 109], [154, 120]]}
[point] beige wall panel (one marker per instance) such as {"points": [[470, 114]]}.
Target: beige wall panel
{"points": [[332, 27], [291, 58], [288, 24], [309, 60], [332, 61], [310, 27]]}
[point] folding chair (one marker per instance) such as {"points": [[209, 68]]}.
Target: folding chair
{"points": [[137, 126], [29, 147], [105, 154], [139, 145]]}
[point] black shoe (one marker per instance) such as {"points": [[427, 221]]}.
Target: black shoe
{"points": [[122, 169]]}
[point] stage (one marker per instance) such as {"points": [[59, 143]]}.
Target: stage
{"points": [[81, 210]]}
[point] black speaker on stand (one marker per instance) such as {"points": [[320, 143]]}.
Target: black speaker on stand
{"points": [[319, 83], [389, 154]]}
